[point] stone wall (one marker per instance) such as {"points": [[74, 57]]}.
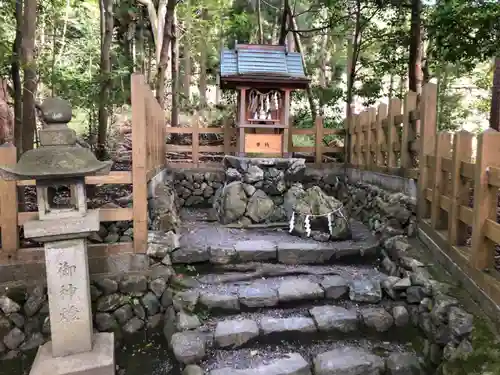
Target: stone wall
{"points": [[122, 304], [197, 188], [445, 325]]}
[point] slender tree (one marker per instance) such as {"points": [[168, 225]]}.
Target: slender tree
{"points": [[106, 10], [495, 97], [30, 75]]}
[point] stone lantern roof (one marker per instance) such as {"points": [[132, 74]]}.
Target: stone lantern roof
{"points": [[58, 156]]}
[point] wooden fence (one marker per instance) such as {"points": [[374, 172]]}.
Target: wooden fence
{"points": [[383, 139], [228, 147], [148, 157], [458, 198], [457, 192]]}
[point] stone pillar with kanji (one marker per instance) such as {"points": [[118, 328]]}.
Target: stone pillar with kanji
{"points": [[63, 225]]}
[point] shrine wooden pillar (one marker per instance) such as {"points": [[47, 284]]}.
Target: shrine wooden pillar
{"points": [[285, 119], [242, 119]]}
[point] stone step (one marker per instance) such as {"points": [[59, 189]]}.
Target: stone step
{"points": [[222, 294], [309, 324], [360, 357], [283, 252], [277, 247]]}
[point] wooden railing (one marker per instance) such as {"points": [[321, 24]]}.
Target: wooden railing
{"points": [[228, 147], [458, 195], [383, 139], [148, 157], [148, 153]]}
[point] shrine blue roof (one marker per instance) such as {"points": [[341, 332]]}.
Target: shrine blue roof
{"points": [[261, 60]]}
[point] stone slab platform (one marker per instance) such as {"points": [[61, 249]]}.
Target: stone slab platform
{"points": [[99, 361], [202, 241]]}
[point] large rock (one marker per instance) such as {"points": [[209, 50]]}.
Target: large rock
{"points": [[186, 321], [335, 318], [274, 182], [377, 318], [299, 289], [160, 244], [258, 295], [254, 174], [213, 301], [289, 364], [234, 333], [460, 322], [232, 202], [403, 364], [8, 306], [335, 286], [259, 207], [365, 290], [314, 201], [189, 347], [348, 361], [270, 325]]}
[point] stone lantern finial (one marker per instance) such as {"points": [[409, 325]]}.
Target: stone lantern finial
{"points": [[58, 155]]}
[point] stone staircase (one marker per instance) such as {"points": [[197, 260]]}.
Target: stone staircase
{"points": [[263, 302]]}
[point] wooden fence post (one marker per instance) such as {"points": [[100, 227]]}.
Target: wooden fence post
{"points": [[410, 104], [319, 140], [227, 137], [291, 122], [394, 110], [139, 164], [485, 198], [427, 141], [353, 129], [195, 142], [442, 150], [8, 207], [462, 151], [349, 134], [379, 136], [372, 116], [361, 139]]}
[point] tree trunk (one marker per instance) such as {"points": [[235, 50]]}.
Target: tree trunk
{"points": [[259, 21], [323, 80], [203, 64], [275, 29], [291, 39], [218, 91], [30, 79], [164, 56], [16, 79], [352, 60], [283, 26], [495, 97], [174, 117], [415, 58], [140, 49], [298, 45], [186, 85], [106, 8], [162, 10]]}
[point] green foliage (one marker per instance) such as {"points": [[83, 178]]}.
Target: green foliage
{"points": [[459, 34]]}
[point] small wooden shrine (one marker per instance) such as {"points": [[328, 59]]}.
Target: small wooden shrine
{"points": [[264, 76]]}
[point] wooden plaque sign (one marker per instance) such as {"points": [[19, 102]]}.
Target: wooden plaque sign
{"points": [[263, 143]]}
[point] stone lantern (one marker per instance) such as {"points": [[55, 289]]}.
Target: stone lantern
{"points": [[74, 347]]}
